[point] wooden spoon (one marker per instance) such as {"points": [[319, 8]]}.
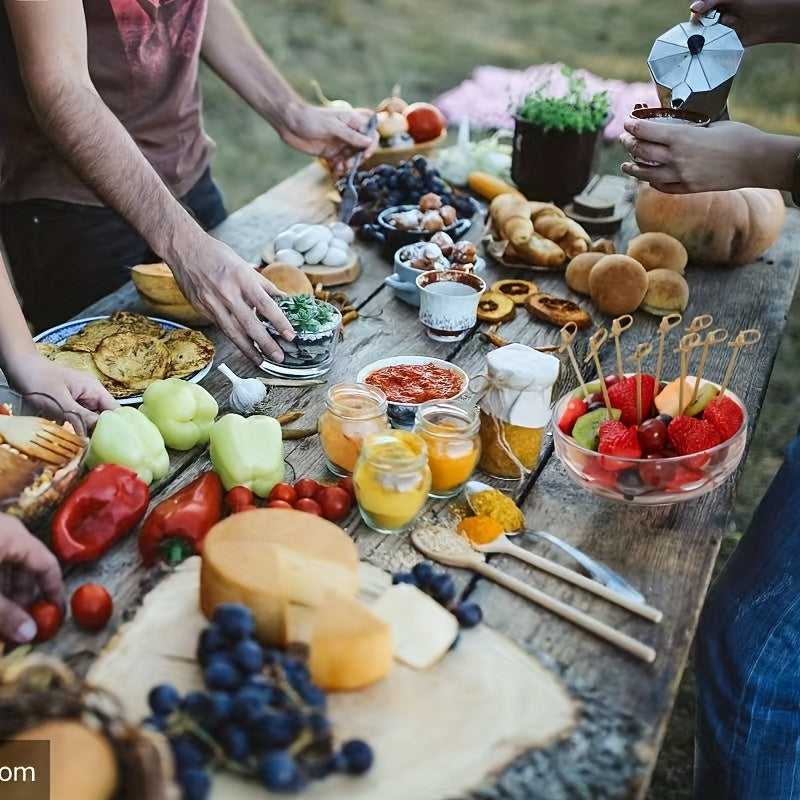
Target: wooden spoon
{"points": [[457, 552]]}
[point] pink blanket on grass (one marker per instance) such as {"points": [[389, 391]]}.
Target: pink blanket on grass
{"points": [[488, 98]]}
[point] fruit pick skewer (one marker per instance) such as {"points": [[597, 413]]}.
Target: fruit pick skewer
{"points": [[700, 323], [596, 340], [667, 323], [619, 325], [685, 347], [749, 336], [712, 337], [639, 354], [568, 332]]}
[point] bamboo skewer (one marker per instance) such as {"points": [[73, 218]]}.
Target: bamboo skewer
{"points": [[667, 323], [744, 338], [642, 351], [596, 340], [713, 337], [685, 347], [618, 326], [567, 336]]}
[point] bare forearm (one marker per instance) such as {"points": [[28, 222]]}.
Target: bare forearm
{"points": [[94, 143], [231, 51], [15, 338]]}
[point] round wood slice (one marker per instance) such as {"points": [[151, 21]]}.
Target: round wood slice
{"points": [[318, 273]]}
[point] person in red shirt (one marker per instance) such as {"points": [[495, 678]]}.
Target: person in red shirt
{"points": [[104, 162]]}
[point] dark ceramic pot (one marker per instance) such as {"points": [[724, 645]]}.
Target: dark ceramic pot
{"points": [[552, 166]]}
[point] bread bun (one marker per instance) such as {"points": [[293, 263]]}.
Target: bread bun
{"points": [[667, 291], [657, 250], [287, 278], [578, 269], [617, 284]]}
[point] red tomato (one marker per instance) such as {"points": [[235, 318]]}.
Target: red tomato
{"points": [[238, 497], [279, 504], [309, 506], [48, 618], [348, 485], [285, 492], [335, 502], [239, 509], [91, 606], [425, 122], [306, 487]]}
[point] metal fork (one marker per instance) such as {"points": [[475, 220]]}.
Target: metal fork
{"points": [[348, 190], [41, 438]]}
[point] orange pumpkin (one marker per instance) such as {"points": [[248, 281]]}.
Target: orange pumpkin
{"points": [[731, 227]]}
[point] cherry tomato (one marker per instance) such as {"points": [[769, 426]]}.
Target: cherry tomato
{"points": [[335, 502], [285, 492], [279, 504], [309, 506], [425, 121], [348, 485], [306, 487], [48, 618], [91, 606], [238, 497], [239, 509]]}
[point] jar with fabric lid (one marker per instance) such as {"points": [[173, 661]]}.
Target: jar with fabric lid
{"points": [[515, 394], [353, 412], [451, 434], [392, 480]]}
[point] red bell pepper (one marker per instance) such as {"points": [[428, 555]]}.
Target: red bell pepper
{"points": [[177, 526], [99, 511]]}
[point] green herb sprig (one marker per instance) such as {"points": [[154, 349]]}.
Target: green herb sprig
{"points": [[305, 314], [577, 110]]}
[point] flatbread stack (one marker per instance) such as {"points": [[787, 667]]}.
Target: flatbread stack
{"points": [[127, 351]]}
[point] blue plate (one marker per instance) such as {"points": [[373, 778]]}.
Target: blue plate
{"points": [[60, 333]]}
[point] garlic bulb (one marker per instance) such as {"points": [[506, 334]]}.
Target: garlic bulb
{"points": [[247, 394]]}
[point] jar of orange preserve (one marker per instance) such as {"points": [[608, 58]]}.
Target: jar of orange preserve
{"points": [[451, 433], [354, 411]]}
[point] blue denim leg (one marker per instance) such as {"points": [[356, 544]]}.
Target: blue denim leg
{"points": [[747, 653]]}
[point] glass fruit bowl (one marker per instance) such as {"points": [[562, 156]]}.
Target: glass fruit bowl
{"points": [[649, 480], [31, 489]]}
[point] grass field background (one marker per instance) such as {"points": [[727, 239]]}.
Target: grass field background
{"points": [[359, 49]]}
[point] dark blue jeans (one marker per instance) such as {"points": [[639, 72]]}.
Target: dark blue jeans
{"points": [[748, 657], [64, 256]]}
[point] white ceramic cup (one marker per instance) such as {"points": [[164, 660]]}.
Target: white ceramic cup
{"points": [[448, 302]]}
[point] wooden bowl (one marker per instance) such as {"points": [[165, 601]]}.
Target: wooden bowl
{"points": [[394, 155]]}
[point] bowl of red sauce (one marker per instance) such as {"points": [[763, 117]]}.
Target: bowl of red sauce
{"points": [[409, 381]]}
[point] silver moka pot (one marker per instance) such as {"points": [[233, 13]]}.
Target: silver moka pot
{"points": [[694, 64]]}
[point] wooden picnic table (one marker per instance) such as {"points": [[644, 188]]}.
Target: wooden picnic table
{"points": [[666, 551]]}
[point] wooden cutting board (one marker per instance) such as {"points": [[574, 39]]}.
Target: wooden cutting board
{"points": [[317, 273], [435, 733]]}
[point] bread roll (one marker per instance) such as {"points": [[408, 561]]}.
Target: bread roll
{"points": [[578, 269], [617, 284], [511, 217], [657, 250], [288, 278], [667, 291]]}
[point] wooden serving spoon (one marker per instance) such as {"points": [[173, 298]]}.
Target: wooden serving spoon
{"points": [[457, 552]]}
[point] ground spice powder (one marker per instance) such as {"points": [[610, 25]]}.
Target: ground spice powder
{"points": [[493, 503]]}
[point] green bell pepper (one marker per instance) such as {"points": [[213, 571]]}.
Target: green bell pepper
{"points": [[182, 411], [247, 451], [126, 436]]}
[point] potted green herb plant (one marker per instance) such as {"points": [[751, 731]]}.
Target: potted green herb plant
{"points": [[316, 325], [556, 140]]}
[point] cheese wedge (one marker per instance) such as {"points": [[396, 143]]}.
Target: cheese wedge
{"points": [[270, 558], [350, 647], [422, 630]]}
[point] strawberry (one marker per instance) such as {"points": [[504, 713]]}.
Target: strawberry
{"points": [[725, 414], [692, 435], [617, 439], [575, 408], [622, 395]]}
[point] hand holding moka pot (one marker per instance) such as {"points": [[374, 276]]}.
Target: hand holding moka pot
{"points": [[694, 64]]}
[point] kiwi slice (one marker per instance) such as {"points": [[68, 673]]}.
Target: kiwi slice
{"points": [[585, 431], [591, 388], [704, 396]]}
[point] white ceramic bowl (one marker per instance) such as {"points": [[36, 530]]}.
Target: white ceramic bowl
{"points": [[402, 414]]}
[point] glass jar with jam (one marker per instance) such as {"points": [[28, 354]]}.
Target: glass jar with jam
{"points": [[353, 412], [392, 480], [451, 435]]}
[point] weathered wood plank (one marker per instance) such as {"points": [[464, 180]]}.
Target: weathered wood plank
{"points": [[667, 552]]}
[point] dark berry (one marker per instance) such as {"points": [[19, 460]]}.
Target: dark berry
{"points": [[468, 614], [404, 577], [312, 695], [275, 730], [423, 573], [319, 724], [279, 772], [197, 705], [195, 784], [163, 698], [188, 754], [248, 704], [156, 722], [220, 707], [358, 755], [443, 588], [235, 620], [212, 640], [248, 656], [222, 674], [665, 418], [236, 742]]}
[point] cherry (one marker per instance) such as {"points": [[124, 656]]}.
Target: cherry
{"points": [[652, 435]]}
